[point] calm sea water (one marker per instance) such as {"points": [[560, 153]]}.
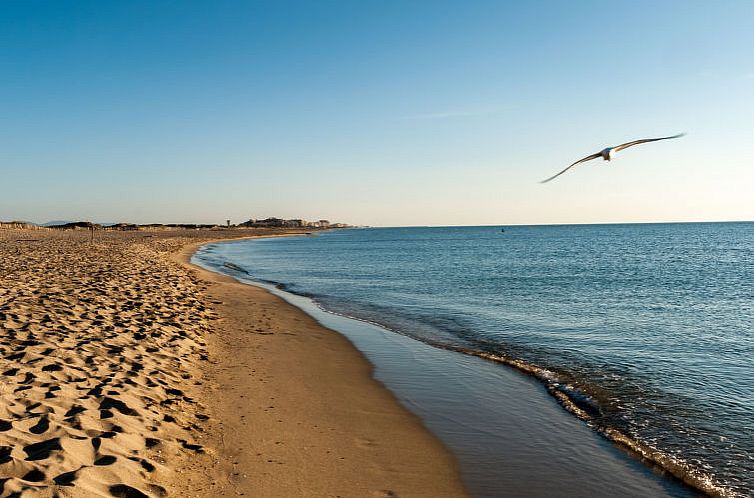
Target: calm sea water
{"points": [[644, 331]]}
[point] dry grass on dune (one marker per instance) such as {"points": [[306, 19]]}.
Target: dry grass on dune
{"points": [[100, 350]]}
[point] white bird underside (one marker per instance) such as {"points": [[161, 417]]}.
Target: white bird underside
{"points": [[607, 154]]}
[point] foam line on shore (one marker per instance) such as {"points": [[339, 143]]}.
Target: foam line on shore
{"points": [[571, 399], [568, 398], [304, 400]]}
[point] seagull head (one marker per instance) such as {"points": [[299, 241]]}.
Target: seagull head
{"points": [[608, 153]]}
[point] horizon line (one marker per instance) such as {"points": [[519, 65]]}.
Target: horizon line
{"points": [[356, 225]]}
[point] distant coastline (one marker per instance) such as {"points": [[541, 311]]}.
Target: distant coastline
{"points": [[585, 252]]}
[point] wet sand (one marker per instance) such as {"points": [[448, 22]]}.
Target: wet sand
{"points": [[298, 412], [511, 438], [126, 372]]}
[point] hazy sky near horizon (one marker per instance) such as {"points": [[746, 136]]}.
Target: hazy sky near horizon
{"points": [[378, 113]]}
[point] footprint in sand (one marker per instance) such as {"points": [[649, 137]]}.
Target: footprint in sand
{"points": [[189, 446], [124, 491], [34, 475], [41, 450], [75, 410], [66, 478], [40, 426], [151, 442], [105, 460]]}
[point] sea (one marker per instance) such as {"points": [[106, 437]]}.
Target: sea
{"points": [[643, 332]]}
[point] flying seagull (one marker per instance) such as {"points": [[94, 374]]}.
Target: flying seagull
{"points": [[608, 153]]}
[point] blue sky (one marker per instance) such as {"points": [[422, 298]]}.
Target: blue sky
{"points": [[379, 113]]}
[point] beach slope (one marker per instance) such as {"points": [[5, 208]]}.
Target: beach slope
{"points": [[126, 371], [297, 412]]}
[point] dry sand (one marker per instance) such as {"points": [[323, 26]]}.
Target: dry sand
{"points": [[124, 371]]}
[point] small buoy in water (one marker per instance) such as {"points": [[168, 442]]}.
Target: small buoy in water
{"points": [[502, 229]]}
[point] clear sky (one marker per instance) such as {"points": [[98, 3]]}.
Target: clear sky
{"points": [[378, 113]]}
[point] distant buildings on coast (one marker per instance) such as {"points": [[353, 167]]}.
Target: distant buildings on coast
{"points": [[252, 223], [294, 223], [17, 225]]}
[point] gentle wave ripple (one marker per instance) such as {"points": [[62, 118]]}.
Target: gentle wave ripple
{"points": [[645, 331]]}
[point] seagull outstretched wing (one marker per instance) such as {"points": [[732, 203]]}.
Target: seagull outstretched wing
{"points": [[587, 158], [643, 141]]}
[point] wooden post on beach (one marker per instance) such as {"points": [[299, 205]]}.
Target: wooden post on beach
{"points": [[91, 229]]}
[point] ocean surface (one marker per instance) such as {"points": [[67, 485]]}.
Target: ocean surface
{"points": [[644, 331]]}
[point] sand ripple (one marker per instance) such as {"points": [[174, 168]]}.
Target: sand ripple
{"points": [[101, 346]]}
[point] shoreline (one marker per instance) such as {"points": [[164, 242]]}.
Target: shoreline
{"points": [[125, 373], [102, 350], [314, 407], [617, 444], [142, 371]]}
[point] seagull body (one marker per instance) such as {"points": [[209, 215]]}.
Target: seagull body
{"points": [[608, 153]]}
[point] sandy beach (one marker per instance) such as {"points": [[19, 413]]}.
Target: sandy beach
{"points": [[128, 372]]}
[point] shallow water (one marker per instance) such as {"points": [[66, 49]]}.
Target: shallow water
{"points": [[644, 330]]}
